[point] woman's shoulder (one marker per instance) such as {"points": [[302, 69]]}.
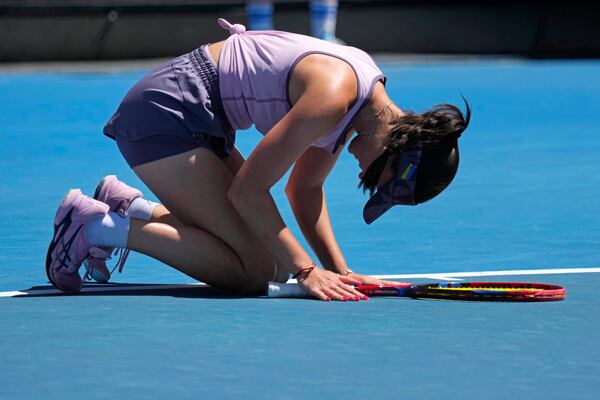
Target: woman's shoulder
{"points": [[325, 75]]}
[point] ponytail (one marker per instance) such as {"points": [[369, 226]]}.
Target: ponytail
{"points": [[442, 122], [439, 127]]}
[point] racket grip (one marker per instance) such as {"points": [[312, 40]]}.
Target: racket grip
{"points": [[286, 290]]}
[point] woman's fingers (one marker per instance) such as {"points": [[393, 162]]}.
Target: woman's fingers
{"points": [[369, 280], [326, 285], [338, 291], [344, 286], [342, 294], [319, 294], [351, 293], [336, 294], [348, 279]]}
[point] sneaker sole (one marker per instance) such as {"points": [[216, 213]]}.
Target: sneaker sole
{"points": [[65, 223]]}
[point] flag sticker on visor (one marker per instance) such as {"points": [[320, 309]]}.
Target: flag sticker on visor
{"points": [[409, 171]]}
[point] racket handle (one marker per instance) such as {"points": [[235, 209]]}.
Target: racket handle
{"points": [[288, 290]]}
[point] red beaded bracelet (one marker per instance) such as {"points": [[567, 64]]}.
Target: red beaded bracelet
{"points": [[303, 271]]}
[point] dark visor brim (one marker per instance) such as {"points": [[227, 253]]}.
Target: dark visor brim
{"points": [[375, 207], [399, 190]]}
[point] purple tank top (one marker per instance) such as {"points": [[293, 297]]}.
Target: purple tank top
{"points": [[254, 71]]}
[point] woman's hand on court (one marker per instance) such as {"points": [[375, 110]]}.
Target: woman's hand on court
{"points": [[369, 280], [327, 285]]}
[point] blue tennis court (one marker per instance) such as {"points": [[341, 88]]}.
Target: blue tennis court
{"points": [[525, 198]]}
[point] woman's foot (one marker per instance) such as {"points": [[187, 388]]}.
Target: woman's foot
{"points": [[118, 196], [69, 247]]}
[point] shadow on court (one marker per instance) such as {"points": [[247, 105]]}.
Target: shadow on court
{"points": [[117, 289]]}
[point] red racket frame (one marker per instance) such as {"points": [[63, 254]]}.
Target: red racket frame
{"points": [[482, 291]]}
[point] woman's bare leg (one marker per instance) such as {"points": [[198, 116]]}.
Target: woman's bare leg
{"points": [[211, 243], [192, 251], [161, 214]]}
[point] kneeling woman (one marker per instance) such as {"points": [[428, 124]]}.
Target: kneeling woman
{"points": [[217, 221]]}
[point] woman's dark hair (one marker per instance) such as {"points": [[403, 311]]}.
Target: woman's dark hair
{"points": [[438, 131]]}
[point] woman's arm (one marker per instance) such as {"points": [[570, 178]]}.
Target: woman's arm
{"points": [[305, 193], [269, 161], [307, 198], [321, 106], [234, 162]]}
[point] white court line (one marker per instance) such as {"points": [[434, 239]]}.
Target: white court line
{"points": [[434, 276], [454, 275]]}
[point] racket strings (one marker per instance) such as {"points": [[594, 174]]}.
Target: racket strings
{"points": [[491, 291], [494, 288]]}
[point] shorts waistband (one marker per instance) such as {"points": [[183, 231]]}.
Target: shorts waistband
{"points": [[210, 78]]}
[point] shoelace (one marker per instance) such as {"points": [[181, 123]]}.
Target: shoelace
{"points": [[96, 252], [123, 254]]}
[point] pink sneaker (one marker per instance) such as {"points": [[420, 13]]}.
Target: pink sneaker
{"points": [[69, 248], [119, 197], [116, 194]]}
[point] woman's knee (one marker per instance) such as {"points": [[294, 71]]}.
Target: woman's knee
{"points": [[257, 275], [254, 286], [245, 278], [247, 285]]}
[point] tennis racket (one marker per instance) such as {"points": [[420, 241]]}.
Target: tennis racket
{"points": [[475, 291]]}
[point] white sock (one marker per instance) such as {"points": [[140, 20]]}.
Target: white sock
{"points": [[111, 230], [323, 17], [141, 209]]}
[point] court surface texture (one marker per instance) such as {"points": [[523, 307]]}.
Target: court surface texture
{"points": [[525, 199]]}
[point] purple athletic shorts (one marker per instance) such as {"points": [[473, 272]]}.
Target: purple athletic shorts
{"points": [[175, 108]]}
